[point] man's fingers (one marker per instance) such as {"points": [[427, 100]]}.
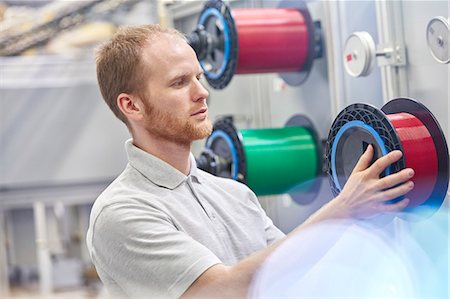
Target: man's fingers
{"points": [[364, 160], [395, 192], [383, 162], [394, 207], [395, 179]]}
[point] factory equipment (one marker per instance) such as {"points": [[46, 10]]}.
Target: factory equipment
{"points": [[251, 41], [438, 33], [270, 161], [401, 124], [360, 53], [18, 36]]}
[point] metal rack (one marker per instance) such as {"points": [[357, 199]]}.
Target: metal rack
{"points": [[52, 19], [46, 71]]}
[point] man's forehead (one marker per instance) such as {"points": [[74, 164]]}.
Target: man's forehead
{"points": [[185, 67], [164, 39], [167, 47], [171, 51]]}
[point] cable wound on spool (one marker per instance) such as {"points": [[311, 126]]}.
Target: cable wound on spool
{"points": [[357, 126], [314, 43], [270, 161], [279, 160], [236, 43], [310, 189], [220, 62], [300, 120], [402, 124], [425, 150]]}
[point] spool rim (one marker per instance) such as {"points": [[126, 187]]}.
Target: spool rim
{"points": [[342, 131], [300, 120], [383, 127], [422, 113], [224, 128], [301, 198], [297, 78], [221, 11]]}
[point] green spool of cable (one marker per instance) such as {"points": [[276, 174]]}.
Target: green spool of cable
{"points": [[279, 160], [270, 161]]}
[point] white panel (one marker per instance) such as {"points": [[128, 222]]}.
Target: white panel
{"points": [[429, 80], [24, 238], [60, 133], [349, 17], [429, 83]]}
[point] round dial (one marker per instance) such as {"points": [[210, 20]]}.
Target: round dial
{"points": [[359, 54], [438, 32]]}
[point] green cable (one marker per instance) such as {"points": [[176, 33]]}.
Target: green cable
{"points": [[279, 160]]}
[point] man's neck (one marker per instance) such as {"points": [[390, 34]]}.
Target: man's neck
{"points": [[173, 153]]}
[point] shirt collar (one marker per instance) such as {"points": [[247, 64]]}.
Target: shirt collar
{"points": [[156, 170], [194, 173]]}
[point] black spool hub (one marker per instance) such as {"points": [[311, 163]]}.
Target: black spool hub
{"points": [[422, 113], [221, 148], [208, 161], [209, 43], [303, 198], [198, 40], [352, 143], [314, 44]]}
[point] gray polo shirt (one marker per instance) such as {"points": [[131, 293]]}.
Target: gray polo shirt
{"points": [[154, 230]]}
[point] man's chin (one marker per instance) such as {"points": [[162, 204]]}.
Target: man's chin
{"points": [[203, 131]]}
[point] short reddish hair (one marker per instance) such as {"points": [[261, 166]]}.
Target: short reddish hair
{"points": [[119, 62]]}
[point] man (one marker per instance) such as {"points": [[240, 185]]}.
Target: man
{"points": [[166, 229]]}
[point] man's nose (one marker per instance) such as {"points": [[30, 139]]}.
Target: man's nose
{"points": [[200, 91]]}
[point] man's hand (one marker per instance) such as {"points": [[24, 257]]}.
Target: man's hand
{"points": [[365, 195]]}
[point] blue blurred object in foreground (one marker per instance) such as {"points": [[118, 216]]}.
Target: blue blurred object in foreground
{"points": [[343, 260]]}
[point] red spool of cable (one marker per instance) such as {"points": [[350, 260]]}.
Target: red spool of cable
{"points": [[401, 124], [425, 150], [270, 40], [282, 40], [420, 154]]}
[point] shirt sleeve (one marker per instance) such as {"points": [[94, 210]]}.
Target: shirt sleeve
{"points": [[273, 233], [143, 252]]}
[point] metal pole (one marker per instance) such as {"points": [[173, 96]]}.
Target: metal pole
{"points": [[390, 31], [43, 253], [4, 281]]}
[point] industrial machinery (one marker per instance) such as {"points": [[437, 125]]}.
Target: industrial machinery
{"points": [[401, 124], [52, 19], [270, 161], [251, 41], [360, 54], [438, 32]]}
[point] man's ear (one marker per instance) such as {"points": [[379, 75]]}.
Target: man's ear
{"points": [[130, 106]]}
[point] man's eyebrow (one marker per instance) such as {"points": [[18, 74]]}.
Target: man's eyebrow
{"points": [[178, 76], [184, 75]]}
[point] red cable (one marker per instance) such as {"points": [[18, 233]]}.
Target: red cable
{"points": [[420, 154], [270, 40]]}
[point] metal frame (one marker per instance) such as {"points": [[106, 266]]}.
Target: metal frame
{"points": [[4, 283], [333, 39], [390, 32]]}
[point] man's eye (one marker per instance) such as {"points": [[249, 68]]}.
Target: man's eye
{"points": [[179, 82]]}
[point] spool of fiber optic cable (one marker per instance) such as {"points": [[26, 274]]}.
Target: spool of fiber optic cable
{"points": [[270, 161], [402, 124], [251, 41]]}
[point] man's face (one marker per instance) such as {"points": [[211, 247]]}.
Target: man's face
{"points": [[175, 100]]}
